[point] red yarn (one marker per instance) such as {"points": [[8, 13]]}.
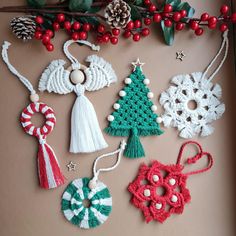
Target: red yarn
{"points": [[171, 179], [50, 175]]}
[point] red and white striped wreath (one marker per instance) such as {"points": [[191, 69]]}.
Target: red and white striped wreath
{"points": [[50, 175]]}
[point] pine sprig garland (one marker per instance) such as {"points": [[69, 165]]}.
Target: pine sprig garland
{"points": [[81, 18]]}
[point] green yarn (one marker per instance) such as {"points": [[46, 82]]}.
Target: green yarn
{"points": [[134, 117], [134, 147]]}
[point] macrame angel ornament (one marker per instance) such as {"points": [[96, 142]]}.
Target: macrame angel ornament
{"points": [[86, 135], [194, 88], [50, 175]]}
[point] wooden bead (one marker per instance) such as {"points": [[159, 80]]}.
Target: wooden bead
{"points": [[77, 77], [34, 97], [92, 184]]}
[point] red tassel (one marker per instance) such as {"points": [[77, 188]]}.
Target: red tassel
{"points": [[50, 175]]}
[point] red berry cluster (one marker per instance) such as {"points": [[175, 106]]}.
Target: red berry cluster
{"points": [[76, 30], [104, 36], [135, 29], [212, 21]]}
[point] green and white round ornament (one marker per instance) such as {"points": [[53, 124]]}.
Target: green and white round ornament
{"points": [[93, 191]]}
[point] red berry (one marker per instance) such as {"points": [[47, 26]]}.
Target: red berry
{"points": [[38, 35], [147, 2], [56, 26], [183, 13], [157, 17], [224, 9], [45, 39], [233, 17], [152, 8], [145, 32], [179, 26], [38, 28], [212, 20], [165, 15], [115, 32], [127, 34], [205, 16], [114, 40], [168, 23], [82, 35], [194, 25], [136, 37], [49, 32], [147, 21], [76, 25], [50, 47], [199, 31], [176, 16], [39, 20], [86, 27], [212, 26], [61, 17], [137, 24], [67, 25], [223, 27], [101, 29], [105, 38], [130, 25], [168, 8], [75, 36]]}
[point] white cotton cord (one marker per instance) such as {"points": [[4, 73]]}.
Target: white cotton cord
{"points": [[96, 172], [5, 58], [225, 43], [74, 61]]}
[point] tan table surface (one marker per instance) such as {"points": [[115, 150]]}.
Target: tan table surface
{"points": [[27, 210]]}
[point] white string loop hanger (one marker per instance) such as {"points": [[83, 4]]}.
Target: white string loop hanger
{"points": [[33, 95], [93, 181], [225, 44], [74, 61]]}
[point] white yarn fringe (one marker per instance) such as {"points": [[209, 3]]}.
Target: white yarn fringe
{"points": [[86, 135]]}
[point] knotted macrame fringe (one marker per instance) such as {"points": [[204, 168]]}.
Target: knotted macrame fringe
{"points": [[134, 148], [86, 135], [50, 175]]}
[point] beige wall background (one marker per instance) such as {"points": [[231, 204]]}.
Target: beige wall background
{"points": [[27, 210]]}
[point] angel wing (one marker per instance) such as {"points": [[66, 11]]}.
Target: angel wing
{"points": [[99, 73], [56, 79]]}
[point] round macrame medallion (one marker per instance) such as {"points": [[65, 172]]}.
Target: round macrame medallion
{"points": [[177, 99], [27, 114], [97, 209]]}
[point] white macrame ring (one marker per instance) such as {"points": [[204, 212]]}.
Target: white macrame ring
{"points": [[27, 114]]}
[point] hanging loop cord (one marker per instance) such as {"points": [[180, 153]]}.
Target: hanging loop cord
{"points": [[25, 81], [92, 183], [75, 63], [225, 43], [197, 157]]}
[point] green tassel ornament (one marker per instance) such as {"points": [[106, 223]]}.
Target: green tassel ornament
{"points": [[134, 113]]}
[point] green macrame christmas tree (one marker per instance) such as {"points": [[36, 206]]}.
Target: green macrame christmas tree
{"points": [[134, 113]]}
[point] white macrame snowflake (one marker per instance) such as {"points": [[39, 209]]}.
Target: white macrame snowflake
{"points": [[184, 90]]}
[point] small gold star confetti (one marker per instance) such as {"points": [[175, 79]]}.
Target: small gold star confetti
{"points": [[137, 63], [71, 166], [180, 55]]}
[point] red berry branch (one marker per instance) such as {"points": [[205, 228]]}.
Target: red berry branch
{"points": [[109, 26]]}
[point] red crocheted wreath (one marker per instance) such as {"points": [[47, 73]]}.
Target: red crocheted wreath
{"points": [[171, 180]]}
